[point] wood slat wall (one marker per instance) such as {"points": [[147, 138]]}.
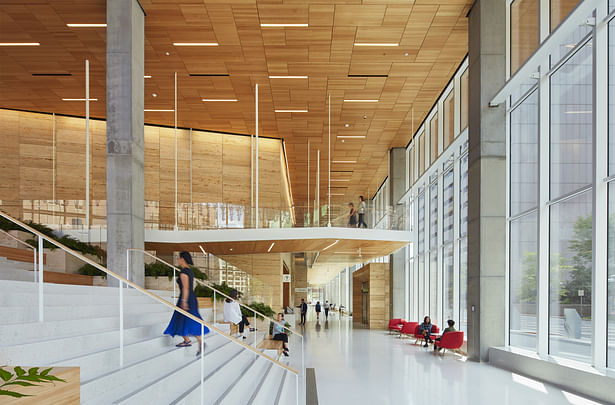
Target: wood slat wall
{"points": [[377, 274], [220, 164]]}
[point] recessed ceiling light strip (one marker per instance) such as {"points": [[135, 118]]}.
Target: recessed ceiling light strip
{"points": [[283, 25], [270, 247], [375, 44], [86, 25], [291, 111], [19, 43], [360, 100], [334, 243], [195, 44], [288, 77]]}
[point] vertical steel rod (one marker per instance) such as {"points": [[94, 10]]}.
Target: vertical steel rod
{"points": [[121, 288], [87, 147], [214, 307], [41, 316], [175, 118], [308, 183], [329, 158], [202, 349], [256, 157], [53, 164]]}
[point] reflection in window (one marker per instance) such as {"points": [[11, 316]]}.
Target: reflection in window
{"points": [[433, 136], [449, 119], [524, 155], [523, 31], [411, 165], [570, 278], [465, 99], [447, 241], [559, 10], [523, 281], [463, 244], [421, 153], [571, 124], [433, 252]]}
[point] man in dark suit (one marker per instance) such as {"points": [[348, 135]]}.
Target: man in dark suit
{"points": [[303, 307]]}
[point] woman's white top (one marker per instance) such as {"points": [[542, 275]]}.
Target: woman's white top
{"points": [[232, 312]]}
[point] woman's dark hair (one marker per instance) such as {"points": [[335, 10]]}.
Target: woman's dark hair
{"points": [[425, 319], [280, 313], [361, 197], [350, 204], [450, 323], [187, 258], [233, 294]]}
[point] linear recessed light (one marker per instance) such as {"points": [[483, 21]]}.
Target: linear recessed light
{"points": [[51, 74], [578, 112], [208, 74], [19, 43], [147, 76], [219, 99], [291, 111], [360, 100], [195, 44], [78, 99], [288, 77], [270, 247], [368, 75], [332, 194], [283, 25], [343, 161], [202, 250], [331, 245], [86, 25], [157, 110], [351, 136], [340, 179], [375, 44]]}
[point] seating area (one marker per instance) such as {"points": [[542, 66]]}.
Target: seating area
{"points": [[450, 340]]}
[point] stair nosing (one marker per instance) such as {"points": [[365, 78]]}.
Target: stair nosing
{"points": [[260, 384]]}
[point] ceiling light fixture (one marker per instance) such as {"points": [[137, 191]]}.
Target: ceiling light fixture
{"points": [[157, 110], [19, 43], [147, 77], [270, 247], [195, 44], [283, 25], [360, 100], [202, 250], [288, 77], [343, 161], [154, 95], [578, 112], [219, 99], [346, 125], [86, 25], [291, 111], [78, 99], [351, 136], [338, 194], [375, 44], [340, 179], [334, 243]]}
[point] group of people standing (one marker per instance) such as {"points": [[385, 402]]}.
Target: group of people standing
{"points": [[352, 217]]}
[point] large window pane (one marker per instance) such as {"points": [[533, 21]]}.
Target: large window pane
{"points": [[612, 96], [523, 281], [571, 124], [433, 252], [447, 207], [411, 165], [448, 282], [463, 244], [464, 95], [433, 136], [559, 10], [570, 278], [524, 155], [523, 31], [421, 224], [611, 278], [421, 153], [449, 119]]}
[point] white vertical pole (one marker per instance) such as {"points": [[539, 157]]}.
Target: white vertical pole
{"points": [[329, 158], [252, 178], [87, 147], [175, 114], [214, 307], [308, 182], [191, 210], [256, 157], [121, 288], [317, 202], [41, 317], [202, 350], [53, 164]]}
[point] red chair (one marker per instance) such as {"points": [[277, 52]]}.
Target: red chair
{"points": [[408, 329], [450, 340], [419, 336], [395, 325]]}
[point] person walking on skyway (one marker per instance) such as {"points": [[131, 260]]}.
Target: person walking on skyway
{"points": [[362, 209]]}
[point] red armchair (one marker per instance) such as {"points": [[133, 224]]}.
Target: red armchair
{"points": [[408, 329], [417, 333], [450, 340], [395, 325]]}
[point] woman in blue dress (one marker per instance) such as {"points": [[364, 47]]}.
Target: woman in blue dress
{"points": [[180, 324]]}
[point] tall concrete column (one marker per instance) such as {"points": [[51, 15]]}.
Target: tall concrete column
{"points": [[397, 262], [125, 190], [487, 180]]}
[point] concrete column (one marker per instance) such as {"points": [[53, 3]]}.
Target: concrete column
{"points": [[487, 180], [125, 191], [397, 188]]}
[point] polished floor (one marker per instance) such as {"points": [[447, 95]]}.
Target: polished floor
{"points": [[359, 366]]}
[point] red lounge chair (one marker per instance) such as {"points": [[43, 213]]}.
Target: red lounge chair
{"points": [[395, 325], [408, 329], [417, 334], [450, 340]]}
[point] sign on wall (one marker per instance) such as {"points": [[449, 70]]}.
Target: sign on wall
{"points": [[286, 278], [301, 290]]}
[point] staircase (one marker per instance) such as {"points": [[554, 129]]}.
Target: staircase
{"points": [[81, 329]]}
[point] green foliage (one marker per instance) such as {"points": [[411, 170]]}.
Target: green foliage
{"points": [[259, 307], [287, 331], [89, 270], [205, 291], [158, 269], [21, 378]]}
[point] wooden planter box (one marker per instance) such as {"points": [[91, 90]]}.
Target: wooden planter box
{"points": [[51, 393]]}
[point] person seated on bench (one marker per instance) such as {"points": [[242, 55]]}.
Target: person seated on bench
{"points": [[450, 328], [279, 333], [425, 330], [232, 313]]}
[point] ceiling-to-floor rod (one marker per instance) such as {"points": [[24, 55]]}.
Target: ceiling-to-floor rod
{"points": [[329, 157], [87, 147], [308, 184], [175, 114], [256, 157]]}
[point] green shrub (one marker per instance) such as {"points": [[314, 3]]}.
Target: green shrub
{"points": [[204, 291], [89, 270], [158, 269], [260, 307]]}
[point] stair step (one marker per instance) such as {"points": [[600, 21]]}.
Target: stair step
{"points": [[270, 387], [246, 384]]}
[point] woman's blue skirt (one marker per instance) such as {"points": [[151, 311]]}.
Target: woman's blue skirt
{"points": [[181, 325]]}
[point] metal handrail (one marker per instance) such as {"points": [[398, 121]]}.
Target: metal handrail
{"points": [[141, 290], [16, 239]]}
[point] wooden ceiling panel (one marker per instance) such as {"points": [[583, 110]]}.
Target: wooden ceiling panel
{"points": [[432, 36]]}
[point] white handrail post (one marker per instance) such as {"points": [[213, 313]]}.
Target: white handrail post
{"points": [[121, 324], [214, 306], [254, 328], [174, 286], [297, 387], [35, 267], [41, 316], [202, 362], [302, 357], [128, 264]]}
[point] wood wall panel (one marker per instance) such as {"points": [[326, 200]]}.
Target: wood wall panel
{"points": [[377, 274], [35, 155], [206, 166], [70, 158], [236, 169], [152, 163]]}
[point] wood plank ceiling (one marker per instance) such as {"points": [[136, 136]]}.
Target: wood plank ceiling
{"points": [[432, 38]]}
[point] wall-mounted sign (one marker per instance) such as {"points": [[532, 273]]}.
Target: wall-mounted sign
{"points": [[286, 278], [301, 290]]}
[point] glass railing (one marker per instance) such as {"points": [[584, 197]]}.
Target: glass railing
{"points": [[70, 215]]}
